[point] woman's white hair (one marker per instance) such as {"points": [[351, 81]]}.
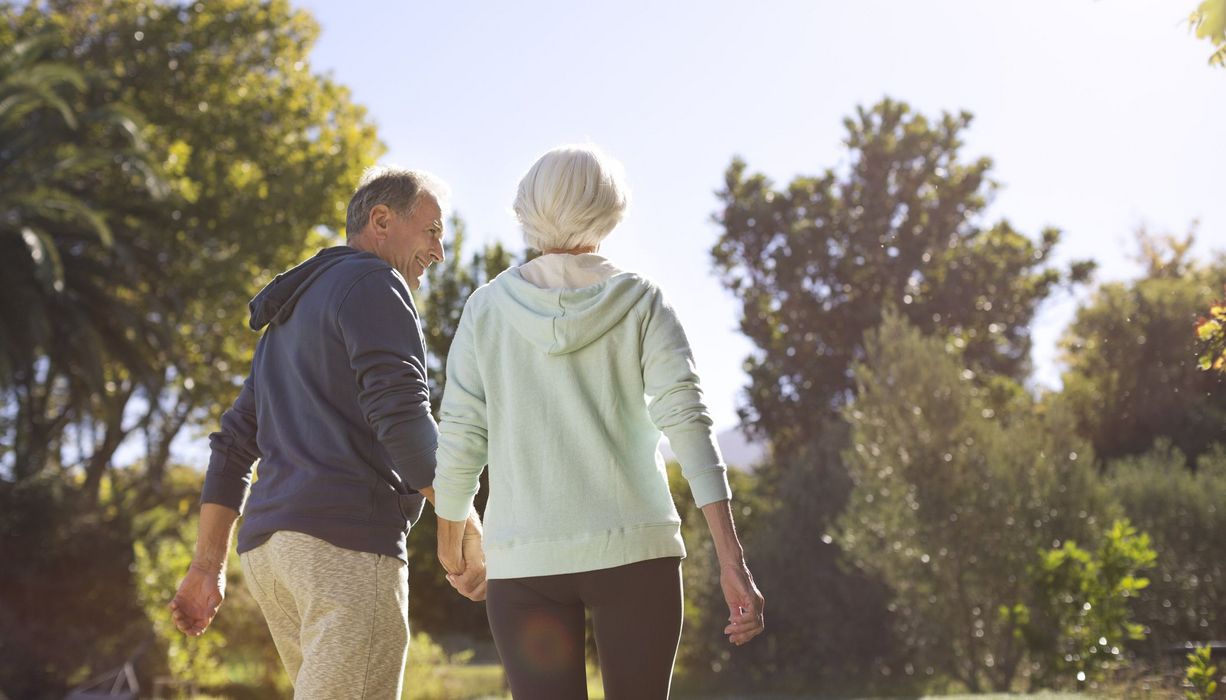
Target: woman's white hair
{"points": [[573, 196]]}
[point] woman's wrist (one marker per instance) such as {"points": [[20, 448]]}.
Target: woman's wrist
{"points": [[736, 564]]}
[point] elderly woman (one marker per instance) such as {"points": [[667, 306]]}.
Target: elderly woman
{"points": [[546, 382]]}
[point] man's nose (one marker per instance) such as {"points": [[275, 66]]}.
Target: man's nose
{"points": [[437, 252]]}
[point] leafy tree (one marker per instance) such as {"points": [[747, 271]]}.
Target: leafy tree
{"points": [[1209, 22], [1132, 375], [261, 155], [903, 224], [77, 187], [814, 265], [953, 495]]}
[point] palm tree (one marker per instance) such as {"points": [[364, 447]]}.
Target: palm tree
{"points": [[78, 321]]}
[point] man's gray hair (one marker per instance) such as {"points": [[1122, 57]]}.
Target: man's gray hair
{"points": [[397, 188], [572, 197]]}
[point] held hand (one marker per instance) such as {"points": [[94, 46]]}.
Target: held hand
{"points": [[199, 597], [745, 604], [471, 583]]}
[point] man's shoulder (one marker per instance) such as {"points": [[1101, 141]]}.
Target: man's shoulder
{"points": [[354, 267], [360, 274]]}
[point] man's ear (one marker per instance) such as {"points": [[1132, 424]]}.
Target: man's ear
{"points": [[380, 219]]}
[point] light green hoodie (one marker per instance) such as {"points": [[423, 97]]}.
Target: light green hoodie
{"points": [[564, 392]]}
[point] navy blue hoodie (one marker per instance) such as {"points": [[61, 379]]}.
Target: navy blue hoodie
{"points": [[336, 409]]}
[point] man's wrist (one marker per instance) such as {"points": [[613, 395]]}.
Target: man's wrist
{"points": [[207, 566]]}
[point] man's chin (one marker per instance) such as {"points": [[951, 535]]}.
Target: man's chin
{"points": [[412, 276]]}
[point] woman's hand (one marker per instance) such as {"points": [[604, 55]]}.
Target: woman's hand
{"points": [[471, 583], [745, 604]]}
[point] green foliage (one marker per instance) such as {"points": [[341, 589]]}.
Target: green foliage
{"points": [[1181, 507], [1083, 616], [1132, 374], [953, 493], [1209, 22], [1200, 676], [429, 674], [816, 262]]}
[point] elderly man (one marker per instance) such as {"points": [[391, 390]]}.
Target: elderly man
{"points": [[337, 410]]}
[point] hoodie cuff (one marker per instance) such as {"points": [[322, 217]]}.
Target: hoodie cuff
{"points": [[710, 486], [225, 487], [452, 506], [416, 468]]}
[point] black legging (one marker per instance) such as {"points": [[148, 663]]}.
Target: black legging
{"points": [[636, 614]]}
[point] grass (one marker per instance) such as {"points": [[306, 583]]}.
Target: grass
{"points": [[486, 682], [474, 681]]}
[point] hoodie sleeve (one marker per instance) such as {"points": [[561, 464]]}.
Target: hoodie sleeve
{"points": [[233, 452], [676, 404], [379, 326], [463, 447]]}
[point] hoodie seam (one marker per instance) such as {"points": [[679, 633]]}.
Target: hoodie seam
{"points": [[554, 325]]}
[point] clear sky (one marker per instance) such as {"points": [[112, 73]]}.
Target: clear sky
{"points": [[1100, 116]]}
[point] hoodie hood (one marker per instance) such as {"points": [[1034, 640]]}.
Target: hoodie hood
{"points": [[561, 321], [276, 302]]}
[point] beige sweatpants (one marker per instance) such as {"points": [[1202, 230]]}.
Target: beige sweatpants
{"points": [[339, 618]]}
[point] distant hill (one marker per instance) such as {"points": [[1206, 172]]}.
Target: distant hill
{"points": [[738, 452]]}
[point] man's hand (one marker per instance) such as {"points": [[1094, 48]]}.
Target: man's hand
{"points": [[198, 598]]}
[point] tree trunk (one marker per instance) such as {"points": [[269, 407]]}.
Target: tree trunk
{"points": [[113, 436], [159, 449]]}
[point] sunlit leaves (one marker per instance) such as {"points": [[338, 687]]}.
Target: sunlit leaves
{"points": [[1085, 598], [1211, 332], [1208, 21]]}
